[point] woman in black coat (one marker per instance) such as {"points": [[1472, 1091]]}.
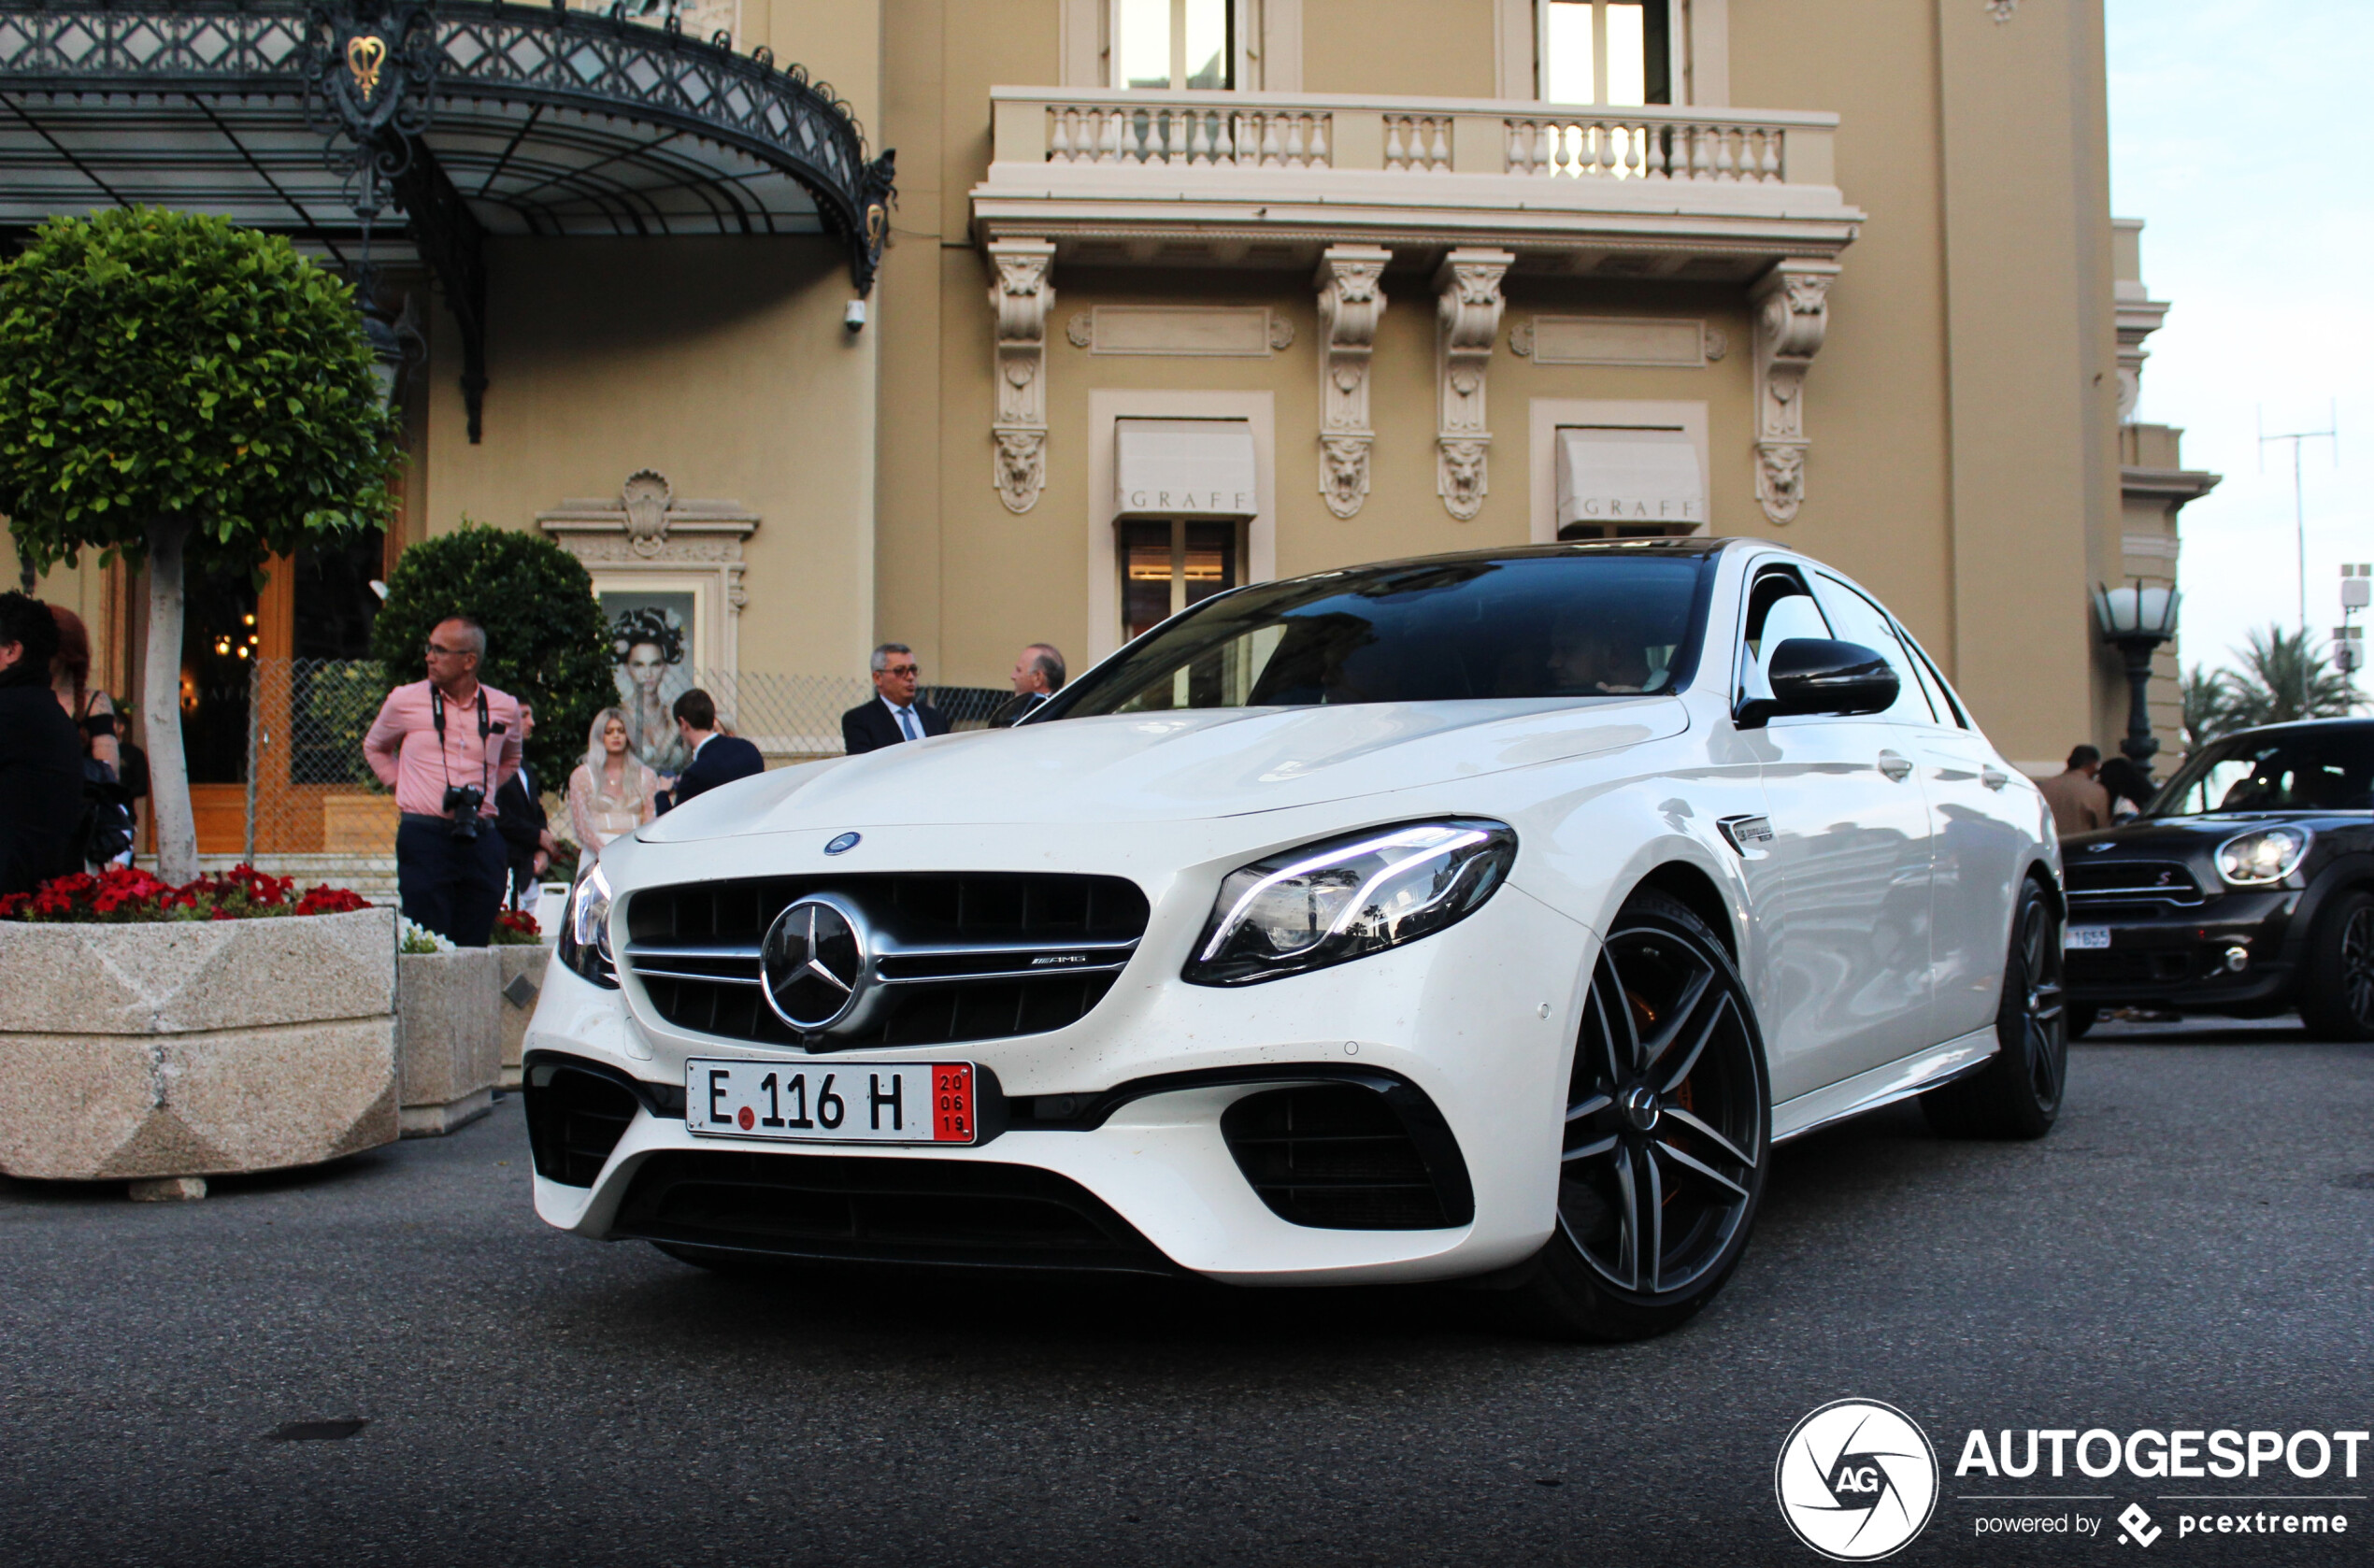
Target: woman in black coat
{"points": [[40, 754]]}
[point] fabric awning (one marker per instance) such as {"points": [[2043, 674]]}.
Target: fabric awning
{"points": [[1184, 468], [1617, 476]]}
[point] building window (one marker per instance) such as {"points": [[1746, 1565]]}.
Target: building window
{"points": [[1168, 566], [1175, 44], [1606, 52]]}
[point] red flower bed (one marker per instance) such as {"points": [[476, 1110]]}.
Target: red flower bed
{"points": [[121, 895]]}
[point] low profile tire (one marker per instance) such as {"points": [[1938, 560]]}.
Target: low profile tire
{"points": [[1667, 1120], [2077, 1019], [2017, 1094], [2336, 996]]}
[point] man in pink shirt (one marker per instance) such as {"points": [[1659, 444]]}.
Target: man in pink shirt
{"points": [[445, 744]]}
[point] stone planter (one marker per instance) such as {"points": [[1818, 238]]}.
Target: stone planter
{"points": [[520, 980], [151, 1052], [450, 1044]]}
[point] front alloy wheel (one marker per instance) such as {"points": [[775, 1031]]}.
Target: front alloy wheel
{"points": [[2337, 1001], [1667, 1124]]}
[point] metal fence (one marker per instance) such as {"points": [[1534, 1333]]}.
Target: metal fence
{"points": [[313, 809]]}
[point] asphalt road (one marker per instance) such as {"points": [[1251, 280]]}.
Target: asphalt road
{"points": [[2192, 1247]]}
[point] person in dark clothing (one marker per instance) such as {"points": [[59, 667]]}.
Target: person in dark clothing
{"points": [[40, 754], [893, 715], [519, 817], [716, 758], [2131, 789]]}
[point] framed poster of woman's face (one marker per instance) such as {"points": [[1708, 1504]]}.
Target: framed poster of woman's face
{"points": [[650, 648]]}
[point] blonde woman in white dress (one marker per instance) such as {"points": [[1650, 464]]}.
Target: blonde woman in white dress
{"points": [[610, 793]]}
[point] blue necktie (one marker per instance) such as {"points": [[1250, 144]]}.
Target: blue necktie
{"points": [[907, 723]]}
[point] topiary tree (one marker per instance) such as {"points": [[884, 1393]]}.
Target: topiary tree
{"points": [[172, 384], [546, 640]]}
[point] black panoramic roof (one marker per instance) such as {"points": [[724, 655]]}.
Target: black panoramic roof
{"points": [[1694, 547]]}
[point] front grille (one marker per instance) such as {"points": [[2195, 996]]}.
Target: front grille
{"points": [[881, 1210], [2163, 967], [575, 1114], [2124, 884], [958, 956], [1343, 1157]]}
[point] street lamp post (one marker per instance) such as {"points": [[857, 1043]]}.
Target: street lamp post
{"points": [[2137, 621]]}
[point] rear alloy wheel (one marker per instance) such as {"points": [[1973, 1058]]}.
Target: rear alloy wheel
{"points": [[2337, 1001], [2017, 1094], [1667, 1124]]}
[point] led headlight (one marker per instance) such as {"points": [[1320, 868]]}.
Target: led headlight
{"points": [[584, 944], [1345, 898], [2262, 856]]}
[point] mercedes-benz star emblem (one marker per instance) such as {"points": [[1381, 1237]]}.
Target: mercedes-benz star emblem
{"points": [[813, 963]]}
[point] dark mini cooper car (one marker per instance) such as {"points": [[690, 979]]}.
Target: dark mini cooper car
{"points": [[2248, 888]]}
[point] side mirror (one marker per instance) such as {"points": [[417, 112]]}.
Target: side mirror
{"points": [[1815, 675]]}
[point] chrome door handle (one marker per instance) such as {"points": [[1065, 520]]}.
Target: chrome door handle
{"points": [[1896, 767], [1994, 778]]}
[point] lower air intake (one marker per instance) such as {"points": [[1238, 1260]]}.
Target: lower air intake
{"points": [[575, 1114], [889, 1210], [1348, 1157]]}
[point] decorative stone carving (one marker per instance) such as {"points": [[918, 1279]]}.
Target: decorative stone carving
{"points": [[645, 531], [1793, 313], [1521, 339], [1081, 331], [1351, 298], [644, 498], [2001, 9], [1718, 343], [1468, 308], [1022, 296], [1282, 333]]}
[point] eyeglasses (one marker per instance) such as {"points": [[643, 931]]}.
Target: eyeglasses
{"points": [[433, 651], [899, 669]]}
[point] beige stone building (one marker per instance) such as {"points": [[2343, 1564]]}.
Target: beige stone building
{"points": [[1175, 294]]}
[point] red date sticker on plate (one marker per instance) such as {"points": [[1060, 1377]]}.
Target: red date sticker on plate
{"points": [[953, 1103]]}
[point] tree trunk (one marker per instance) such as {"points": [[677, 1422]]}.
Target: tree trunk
{"points": [[177, 828]]}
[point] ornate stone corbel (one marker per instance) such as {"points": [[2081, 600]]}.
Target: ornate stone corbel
{"points": [[1792, 311], [1350, 299], [1021, 296], [1467, 307]]}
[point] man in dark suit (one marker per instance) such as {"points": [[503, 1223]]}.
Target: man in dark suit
{"points": [[518, 816], [716, 758], [40, 754], [1039, 675], [893, 715]]}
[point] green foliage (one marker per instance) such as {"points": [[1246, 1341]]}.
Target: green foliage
{"points": [[2283, 678], [2204, 707], [157, 363], [545, 638]]}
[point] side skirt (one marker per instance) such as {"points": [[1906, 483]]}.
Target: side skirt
{"points": [[1901, 1079]]}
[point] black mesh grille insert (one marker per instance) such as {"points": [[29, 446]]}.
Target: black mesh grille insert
{"points": [[881, 1210], [943, 1001], [575, 1114], [2111, 882], [2143, 966], [1341, 1157]]}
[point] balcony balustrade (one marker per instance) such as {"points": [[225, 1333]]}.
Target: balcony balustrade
{"points": [[1271, 177]]}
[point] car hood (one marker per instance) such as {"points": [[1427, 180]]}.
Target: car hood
{"points": [[1171, 767], [2179, 835]]}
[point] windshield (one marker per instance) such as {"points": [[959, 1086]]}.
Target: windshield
{"points": [[1565, 625], [2302, 770]]}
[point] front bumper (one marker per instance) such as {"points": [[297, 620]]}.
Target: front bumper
{"points": [[1127, 1103], [2179, 960]]}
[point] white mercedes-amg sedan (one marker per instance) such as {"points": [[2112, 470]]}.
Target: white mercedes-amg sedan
{"points": [[1487, 916]]}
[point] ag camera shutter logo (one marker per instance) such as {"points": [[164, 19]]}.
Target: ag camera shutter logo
{"points": [[1856, 1480]]}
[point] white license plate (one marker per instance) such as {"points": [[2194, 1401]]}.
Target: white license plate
{"points": [[831, 1102], [2087, 936]]}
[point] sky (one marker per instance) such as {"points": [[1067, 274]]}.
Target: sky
{"points": [[2236, 134]]}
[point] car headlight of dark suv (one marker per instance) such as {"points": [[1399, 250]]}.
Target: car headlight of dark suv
{"points": [[2263, 855], [1344, 898]]}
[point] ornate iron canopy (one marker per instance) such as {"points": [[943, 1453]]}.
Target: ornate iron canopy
{"points": [[474, 118]]}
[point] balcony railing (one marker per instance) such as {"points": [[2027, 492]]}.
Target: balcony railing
{"points": [[1304, 131]]}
